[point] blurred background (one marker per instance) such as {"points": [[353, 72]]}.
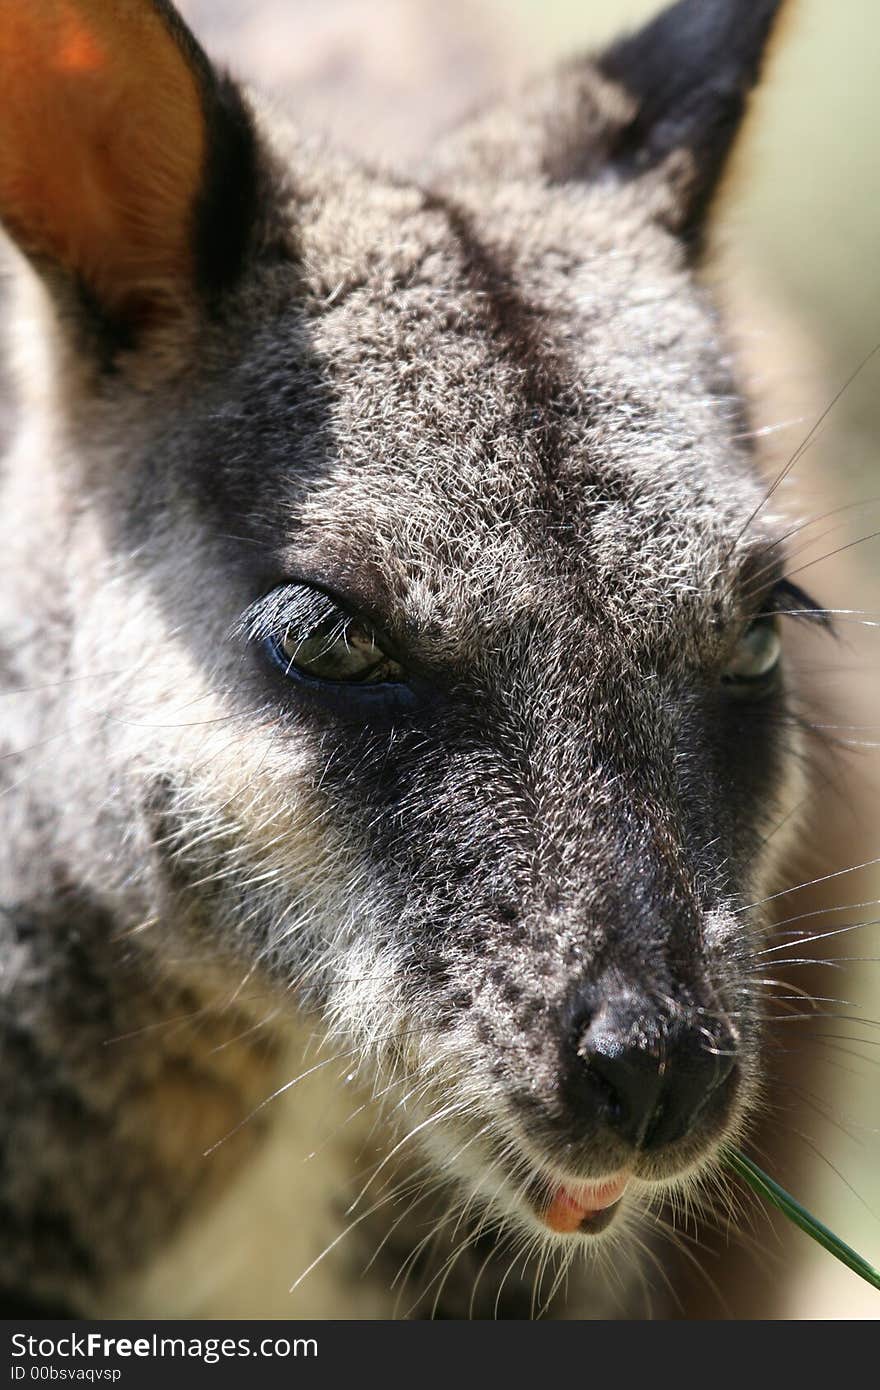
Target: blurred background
{"points": [[796, 241]]}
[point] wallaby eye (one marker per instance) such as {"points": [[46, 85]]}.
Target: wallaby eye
{"points": [[341, 648], [756, 656], [311, 637]]}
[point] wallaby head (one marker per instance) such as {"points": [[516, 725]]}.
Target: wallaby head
{"points": [[415, 534]]}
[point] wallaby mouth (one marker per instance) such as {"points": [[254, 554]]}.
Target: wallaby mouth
{"points": [[636, 1113], [564, 1201], [582, 1208]]}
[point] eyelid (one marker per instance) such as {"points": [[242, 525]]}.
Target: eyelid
{"points": [[289, 606], [787, 599]]}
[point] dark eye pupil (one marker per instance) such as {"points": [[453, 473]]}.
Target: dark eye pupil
{"points": [[338, 650]]}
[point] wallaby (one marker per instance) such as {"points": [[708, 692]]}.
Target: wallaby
{"points": [[397, 713]]}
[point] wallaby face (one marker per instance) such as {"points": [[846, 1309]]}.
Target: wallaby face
{"points": [[415, 533]]}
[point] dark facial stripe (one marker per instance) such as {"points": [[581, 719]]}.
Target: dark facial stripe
{"points": [[515, 328], [550, 392]]}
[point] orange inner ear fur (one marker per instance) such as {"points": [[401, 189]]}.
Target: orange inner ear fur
{"points": [[103, 143]]}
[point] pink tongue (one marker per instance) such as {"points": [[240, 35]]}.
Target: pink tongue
{"points": [[570, 1206]]}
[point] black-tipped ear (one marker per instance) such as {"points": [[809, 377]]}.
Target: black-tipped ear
{"points": [[689, 73]]}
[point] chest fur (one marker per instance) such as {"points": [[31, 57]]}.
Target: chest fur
{"points": [[282, 1211]]}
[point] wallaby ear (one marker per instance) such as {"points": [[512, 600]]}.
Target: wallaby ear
{"points": [[126, 163], [688, 74], [660, 107]]}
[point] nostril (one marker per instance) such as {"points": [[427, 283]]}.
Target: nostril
{"points": [[625, 1076], [683, 1102]]}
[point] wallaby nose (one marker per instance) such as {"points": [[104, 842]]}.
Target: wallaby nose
{"points": [[651, 1076]]}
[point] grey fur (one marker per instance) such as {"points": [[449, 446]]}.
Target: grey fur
{"points": [[494, 409]]}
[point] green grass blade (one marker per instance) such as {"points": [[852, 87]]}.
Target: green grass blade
{"points": [[764, 1185]]}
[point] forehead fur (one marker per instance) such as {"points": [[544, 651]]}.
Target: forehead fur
{"points": [[479, 391]]}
